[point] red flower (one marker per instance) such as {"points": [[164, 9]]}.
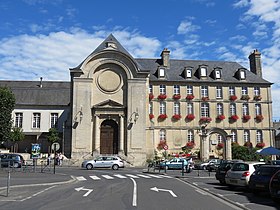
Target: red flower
{"points": [[151, 96], [190, 144], [221, 117], [190, 97], [234, 117], [257, 98], [162, 144], [151, 116], [162, 96], [234, 144], [162, 116], [246, 117], [233, 98], [205, 119], [190, 116], [248, 144], [260, 145], [176, 96], [259, 117], [220, 146], [176, 116], [205, 98]]}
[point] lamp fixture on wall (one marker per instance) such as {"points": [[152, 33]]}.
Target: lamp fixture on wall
{"points": [[80, 114], [133, 117]]}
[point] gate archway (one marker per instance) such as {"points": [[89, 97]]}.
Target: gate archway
{"points": [[109, 141]]}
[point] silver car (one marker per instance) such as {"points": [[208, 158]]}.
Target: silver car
{"points": [[113, 162]]}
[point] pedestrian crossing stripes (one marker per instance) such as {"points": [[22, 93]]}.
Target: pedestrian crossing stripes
{"points": [[120, 176]]}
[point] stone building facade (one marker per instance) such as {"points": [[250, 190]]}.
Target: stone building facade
{"points": [[117, 104]]}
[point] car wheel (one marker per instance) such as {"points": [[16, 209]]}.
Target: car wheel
{"points": [[166, 167], [115, 167], [204, 167], [16, 165], [89, 166]]}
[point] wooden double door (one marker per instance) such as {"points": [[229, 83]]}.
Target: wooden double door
{"points": [[109, 137]]}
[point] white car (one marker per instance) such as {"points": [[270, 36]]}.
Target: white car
{"points": [[239, 174], [113, 162]]}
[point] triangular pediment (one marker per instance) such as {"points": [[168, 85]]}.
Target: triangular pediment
{"points": [[108, 104]]}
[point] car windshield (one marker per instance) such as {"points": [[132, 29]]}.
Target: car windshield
{"points": [[240, 167]]}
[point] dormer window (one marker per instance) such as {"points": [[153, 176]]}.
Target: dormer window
{"points": [[188, 73], [242, 74], [203, 71], [161, 72], [218, 74], [111, 45]]}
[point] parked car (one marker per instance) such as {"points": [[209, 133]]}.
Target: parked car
{"points": [[222, 169], [274, 187], [206, 163], [177, 163], [11, 160], [239, 174], [259, 180], [113, 162]]}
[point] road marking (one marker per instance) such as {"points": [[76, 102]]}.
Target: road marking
{"points": [[201, 192], [94, 177], [134, 199], [82, 188], [165, 176], [144, 176], [107, 177], [156, 176], [170, 191], [120, 176], [81, 178], [132, 176]]}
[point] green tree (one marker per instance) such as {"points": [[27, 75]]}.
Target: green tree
{"points": [[53, 135], [17, 134], [245, 153], [7, 105]]}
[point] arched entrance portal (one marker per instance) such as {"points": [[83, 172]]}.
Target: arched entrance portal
{"points": [[109, 137]]}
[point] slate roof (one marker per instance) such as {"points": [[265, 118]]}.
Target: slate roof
{"points": [[30, 93]]}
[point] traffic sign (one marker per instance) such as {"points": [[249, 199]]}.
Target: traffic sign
{"points": [[55, 146], [165, 147]]}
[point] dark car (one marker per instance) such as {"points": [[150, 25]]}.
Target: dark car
{"points": [[11, 160], [274, 187], [259, 180], [222, 169]]}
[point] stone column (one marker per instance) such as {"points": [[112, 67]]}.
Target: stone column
{"points": [[204, 147], [227, 148], [121, 146], [97, 135]]}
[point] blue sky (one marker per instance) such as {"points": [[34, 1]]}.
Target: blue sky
{"points": [[44, 38]]}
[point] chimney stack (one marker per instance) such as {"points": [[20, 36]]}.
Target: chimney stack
{"points": [[41, 82], [255, 63], [165, 58]]}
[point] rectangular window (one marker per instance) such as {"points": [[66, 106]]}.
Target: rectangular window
{"points": [[231, 91], [36, 120], [189, 108], [244, 91], [204, 91], [258, 110], [220, 110], [176, 89], [245, 109], [204, 110], [257, 91], [151, 108], [232, 109], [161, 72], [218, 74], [162, 108], [219, 92], [176, 108], [189, 73], [54, 119], [203, 71], [18, 120], [259, 136], [150, 88], [246, 136], [162, 134], [242, 75], [189, 90], [190, 136], [162, 89]]}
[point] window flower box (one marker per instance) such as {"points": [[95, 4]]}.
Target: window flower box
{"points": [[151, 116], [151, 96], [260, 145], [190, 117], [234, 117], [190, 97], [233, 97], [259, 118], [248, 144], [205, 98], [220, 146], [190, 145], [221, 117], [245, 97], [162, 116], [246, 117], [176, 96], [257, 98], [162, 96], [176, 117], [205, 120], [162, 143], [233, 144]]}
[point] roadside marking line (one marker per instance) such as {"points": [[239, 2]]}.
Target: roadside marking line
{"points": [[81, 178], [156, 176], [94, 177], [107, 177], [132, 176], [144, 176], [201, 192], [29, 197], [120, 176], [134, 199], [165, 176]]}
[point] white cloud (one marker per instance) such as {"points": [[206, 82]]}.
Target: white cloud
{"points": [[29, 57], [186, 27]]}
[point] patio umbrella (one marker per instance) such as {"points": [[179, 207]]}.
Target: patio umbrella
{"points": [[269, 151]]}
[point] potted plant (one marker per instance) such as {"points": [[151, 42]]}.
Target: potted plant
{"points": [[220, 146], [176, 116], [259, 117], [206, 98], [234, 117], [245, 97], [257, 98], [151, 116], [246, 117], [162, 96], [162, 143], [190, 145], [260, 145], [221, 117], [248, 144], [190, 97], [233, 97], [162, 116], [176, 96], [151, 96], [205, 120], [190, 117]]}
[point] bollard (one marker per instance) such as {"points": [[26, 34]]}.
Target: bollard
{"points": [[182, 168], [165, 167], [8, 183]]}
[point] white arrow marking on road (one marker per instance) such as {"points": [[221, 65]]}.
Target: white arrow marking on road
{"points": [[170, 191], [82, 188]]}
